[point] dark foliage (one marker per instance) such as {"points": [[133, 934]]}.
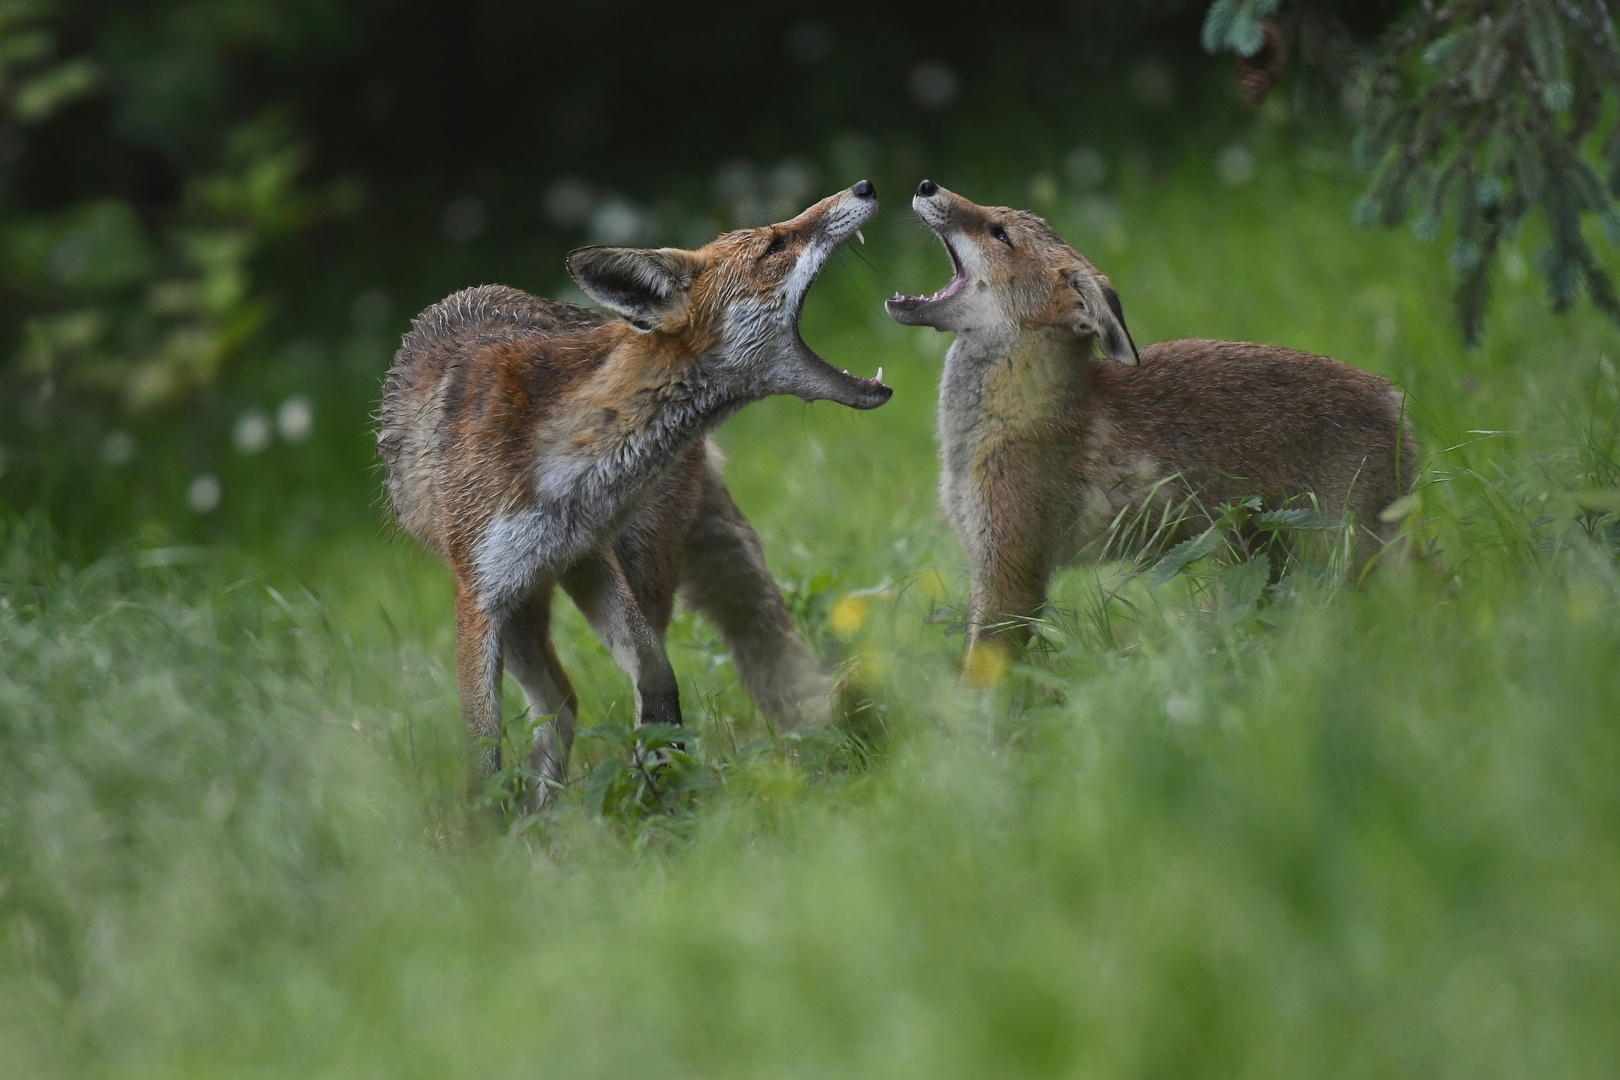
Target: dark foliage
{"points": [[194, 191], [207, 206]]}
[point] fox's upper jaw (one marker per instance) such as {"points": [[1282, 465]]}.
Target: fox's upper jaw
{"points": [[830, 222], [762, 344]]}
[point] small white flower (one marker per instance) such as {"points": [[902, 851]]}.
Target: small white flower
{"points": [[295, 419], [203, 495], [1235, 165], [810, 42], [1086, 167], [117, 449], [464, 219], [933, 85], [1153, 84], [568, 202], [370, 310], [617, 221], [252, 432]]}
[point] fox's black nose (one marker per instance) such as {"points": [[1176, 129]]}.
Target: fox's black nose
{"points": [[863, 189], [927, 188]]}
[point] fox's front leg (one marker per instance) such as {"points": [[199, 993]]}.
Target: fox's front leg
{"points": [[478, 680], [600, 590], [1004, 601], [1009, 563]]}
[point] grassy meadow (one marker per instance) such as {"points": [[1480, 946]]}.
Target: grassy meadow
{"points": [[1209, 829]]}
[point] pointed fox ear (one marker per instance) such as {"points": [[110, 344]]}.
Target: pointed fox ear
{"points": [[1096, 312], [649, 287]]}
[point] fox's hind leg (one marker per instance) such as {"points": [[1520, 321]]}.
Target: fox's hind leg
{"points": [[530, 656], [478, 680], [603, 595], [724, 575]]}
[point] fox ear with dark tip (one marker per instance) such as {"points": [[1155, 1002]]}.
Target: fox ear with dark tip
{"points": [[649, 287], [1096, 312]]}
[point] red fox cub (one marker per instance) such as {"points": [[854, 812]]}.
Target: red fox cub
{"points": [[531, 443], [1051, 424]]}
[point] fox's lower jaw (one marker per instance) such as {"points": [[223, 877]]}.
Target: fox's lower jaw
{"points": [[920, 310], [926, 310], [807, 376]]}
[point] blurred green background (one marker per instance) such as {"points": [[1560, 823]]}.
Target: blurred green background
{"points": [[1209, 828]]}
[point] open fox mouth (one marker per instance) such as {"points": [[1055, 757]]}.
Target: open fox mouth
{"points": [[824, 380], [900, 302]]}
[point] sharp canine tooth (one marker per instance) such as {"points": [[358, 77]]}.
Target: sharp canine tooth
{"points": [[860, 236], [879, 375]]}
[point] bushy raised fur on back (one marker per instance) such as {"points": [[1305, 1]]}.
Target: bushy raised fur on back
{"points": [[1051, 424], [532, 443]]}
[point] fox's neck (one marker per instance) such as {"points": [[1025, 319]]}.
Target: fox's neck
{"points": [[642, 408], [612, 438], [1009, 385], [621, 431]]}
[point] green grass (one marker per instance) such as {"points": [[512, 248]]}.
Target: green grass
{"points": [[1347, 832]]}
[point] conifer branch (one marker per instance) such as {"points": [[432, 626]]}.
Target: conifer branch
{"points": [[1484, 110]]}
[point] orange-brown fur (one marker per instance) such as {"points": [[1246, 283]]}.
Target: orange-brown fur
{"points": [[532, 443], [1045, 443]]}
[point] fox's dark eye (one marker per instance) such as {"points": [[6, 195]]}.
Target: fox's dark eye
{"points": [[777, 244], [1000, 234]]}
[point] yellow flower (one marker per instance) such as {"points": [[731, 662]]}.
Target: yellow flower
{"points": [[1583, 606], [931, 583], [849, 614], [986, 664]]}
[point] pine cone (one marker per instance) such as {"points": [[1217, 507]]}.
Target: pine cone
{"points": [[1257, 74]]}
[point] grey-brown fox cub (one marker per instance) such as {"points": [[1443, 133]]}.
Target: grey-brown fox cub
{"points": [[1051, 424], [532, 443]]}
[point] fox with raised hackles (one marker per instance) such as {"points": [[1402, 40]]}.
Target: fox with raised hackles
{"points": [[1052, 424], [532, 443]]}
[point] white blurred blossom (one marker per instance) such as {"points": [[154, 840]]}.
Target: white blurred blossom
{"points": [[617, 221], [1086, 167], [1153, 84], [371, 309], [464, 219], [810, 42], [203, 494], [252, 432], [933, 85], [568, 202], [1235, 164], [117, 449], [295, 419]]}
